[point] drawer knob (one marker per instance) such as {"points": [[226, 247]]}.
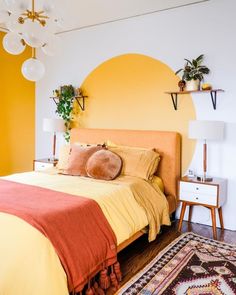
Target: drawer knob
{"points": [[196, 198], [197, 188]]}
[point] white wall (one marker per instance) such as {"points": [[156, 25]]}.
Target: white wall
{"points": [[168, 36]]}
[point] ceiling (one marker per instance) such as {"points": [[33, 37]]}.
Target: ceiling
{"points": [[83, 13]]}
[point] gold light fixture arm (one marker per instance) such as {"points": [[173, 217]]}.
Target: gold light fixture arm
{"points": [[33, 15], [33, 53], [33, 11]]}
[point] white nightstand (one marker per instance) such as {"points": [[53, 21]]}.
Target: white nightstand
{"points": [[42, 164], [211, 195]]}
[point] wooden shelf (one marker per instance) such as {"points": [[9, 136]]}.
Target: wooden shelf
{"points": [[79, 98], [213, 93]]}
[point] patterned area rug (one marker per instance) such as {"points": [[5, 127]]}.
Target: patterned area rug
{"points": [[191, 265]]}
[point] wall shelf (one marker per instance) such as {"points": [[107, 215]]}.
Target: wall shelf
{"points": [[80, 99], [213, 94]]}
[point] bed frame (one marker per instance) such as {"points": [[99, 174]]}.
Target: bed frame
{"points": [[168, 144]]}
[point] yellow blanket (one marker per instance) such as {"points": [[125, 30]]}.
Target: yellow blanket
{"points": [[29, 264]]}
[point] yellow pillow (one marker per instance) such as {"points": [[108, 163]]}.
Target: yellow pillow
{"points": [[157, 183], [138, 162], [64, 155]]}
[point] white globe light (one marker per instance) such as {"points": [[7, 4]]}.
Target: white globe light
{"points": [[13, 25], [34, 34], [52, 45], [33, 69], [17, 6], [4, 16], [12, 43]]}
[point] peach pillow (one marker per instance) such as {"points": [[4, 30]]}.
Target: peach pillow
{"points": [[104, 165], [78, 159]]}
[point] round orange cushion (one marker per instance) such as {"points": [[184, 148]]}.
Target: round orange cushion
{"points": [[104, 165]]}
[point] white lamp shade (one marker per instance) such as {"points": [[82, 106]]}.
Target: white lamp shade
{"points": [[206, 130], [53, 125]]}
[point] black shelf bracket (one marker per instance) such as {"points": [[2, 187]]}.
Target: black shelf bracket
{"points": [[214, 98], [174, 97], [213, 93], [80, 99]]}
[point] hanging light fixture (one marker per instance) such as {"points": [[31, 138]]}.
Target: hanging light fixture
{"points": [[33, 25]]}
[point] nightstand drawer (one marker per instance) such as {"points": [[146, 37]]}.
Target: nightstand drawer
{"points": [[198, 198], [206, 189], [39, 166]]}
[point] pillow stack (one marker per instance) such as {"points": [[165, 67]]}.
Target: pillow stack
{"points": [[90, 161], [106, 163]]}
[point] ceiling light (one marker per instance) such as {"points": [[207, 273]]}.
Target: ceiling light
{"points": [[33, 24]]}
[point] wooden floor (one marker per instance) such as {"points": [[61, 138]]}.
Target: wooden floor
{"points": [[137, 255]]}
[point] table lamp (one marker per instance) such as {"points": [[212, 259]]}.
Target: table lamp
{"points": [[206, 130], [54, 125]]}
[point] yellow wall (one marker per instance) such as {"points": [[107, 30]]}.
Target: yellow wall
{"points": [[17, 114], [128, 92]]}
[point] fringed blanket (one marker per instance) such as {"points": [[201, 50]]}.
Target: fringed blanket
{"points": [[76, 227]]}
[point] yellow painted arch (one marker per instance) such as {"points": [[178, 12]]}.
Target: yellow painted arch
{"points": [[128, 92]]}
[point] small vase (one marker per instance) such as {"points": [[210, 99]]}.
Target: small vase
{"points": [[193, 85]]}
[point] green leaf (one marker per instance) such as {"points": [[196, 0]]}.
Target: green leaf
{"points": [[188, 61], [177, 72], [200, 58]]}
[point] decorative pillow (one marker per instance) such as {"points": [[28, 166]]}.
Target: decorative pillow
{"points": [[64, 155], [138, 162], [104, 165], [78, 159], [157, 183]]}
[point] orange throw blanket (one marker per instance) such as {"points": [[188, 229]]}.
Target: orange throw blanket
{"points": [[76, 227]]}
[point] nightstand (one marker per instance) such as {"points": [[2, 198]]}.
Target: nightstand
{"points": [[42, 164], [211, 195]]}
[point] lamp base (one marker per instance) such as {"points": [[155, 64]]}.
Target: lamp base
{"points": [[52, 160], [204, 178]]}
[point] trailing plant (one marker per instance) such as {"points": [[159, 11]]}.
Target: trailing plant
{"points": [[64, 109], [194, 70]]}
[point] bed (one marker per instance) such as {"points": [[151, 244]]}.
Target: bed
{"points": [[48, 277]]}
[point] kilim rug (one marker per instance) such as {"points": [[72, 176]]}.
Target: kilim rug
{"points": [[190, 265]]}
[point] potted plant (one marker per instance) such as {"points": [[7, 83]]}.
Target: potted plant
{"points": [[65, 106], [193, 73]]}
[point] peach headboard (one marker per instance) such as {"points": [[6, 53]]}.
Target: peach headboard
{"points": [[165, 142]]}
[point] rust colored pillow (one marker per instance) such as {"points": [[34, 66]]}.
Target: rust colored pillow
{"points": [[78, 159], [104, 165]]}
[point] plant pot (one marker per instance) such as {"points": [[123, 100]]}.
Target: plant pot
{"points": [[193, 85]]}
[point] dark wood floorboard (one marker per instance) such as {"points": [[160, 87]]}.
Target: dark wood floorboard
{"points": [[137, 255]]}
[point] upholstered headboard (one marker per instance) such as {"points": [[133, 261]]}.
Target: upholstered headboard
{"points": [[165, 142]]}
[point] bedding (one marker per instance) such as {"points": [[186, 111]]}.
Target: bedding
{"points": [[60, 216], [125, 208], [64, 154], [137, 162], [104, 165], [157, 183], [78, 158]]}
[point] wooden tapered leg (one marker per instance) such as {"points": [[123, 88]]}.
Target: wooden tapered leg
{"points": [[213, 217], [190, 213], [184, 204], [221, 218]]}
